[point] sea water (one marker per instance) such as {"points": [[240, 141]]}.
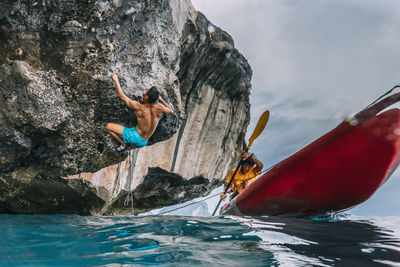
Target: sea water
{"points": [[71, 240]]}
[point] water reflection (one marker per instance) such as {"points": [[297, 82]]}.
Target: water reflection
{"points": [[205, 241], [335, 241]]}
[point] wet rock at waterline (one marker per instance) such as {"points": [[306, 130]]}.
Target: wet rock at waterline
{"points": [[56, 97]]}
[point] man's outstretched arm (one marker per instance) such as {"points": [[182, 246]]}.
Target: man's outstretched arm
{"points": [[166, 107], [129, 102]]}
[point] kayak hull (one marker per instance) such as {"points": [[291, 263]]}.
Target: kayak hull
{"points": [[339, 170]]}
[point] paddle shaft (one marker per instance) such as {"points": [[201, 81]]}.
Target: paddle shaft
{"points": [[230, 182]]}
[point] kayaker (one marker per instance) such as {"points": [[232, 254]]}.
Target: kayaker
{"points": [[148, 114], [246, 174]]}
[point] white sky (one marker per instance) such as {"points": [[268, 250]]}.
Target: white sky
{"points": [[314, 62]]}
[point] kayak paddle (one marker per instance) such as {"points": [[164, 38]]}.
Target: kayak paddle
{"points": [[262, 122]]}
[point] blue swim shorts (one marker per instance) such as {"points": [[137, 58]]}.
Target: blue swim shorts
{"points": [[130, 135]]}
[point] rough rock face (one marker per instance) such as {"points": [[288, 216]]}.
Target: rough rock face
{"points": [[56, 98]]}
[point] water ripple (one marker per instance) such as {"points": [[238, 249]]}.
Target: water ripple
{"points": [[186, 241]]}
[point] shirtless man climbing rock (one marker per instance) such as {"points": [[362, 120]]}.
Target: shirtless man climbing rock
{"points": [[148, 114]]}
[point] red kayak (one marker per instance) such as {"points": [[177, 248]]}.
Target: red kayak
{"points": [[339, 170]]}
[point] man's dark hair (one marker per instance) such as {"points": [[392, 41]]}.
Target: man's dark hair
{"points": [[153, 94], [250, 161]]}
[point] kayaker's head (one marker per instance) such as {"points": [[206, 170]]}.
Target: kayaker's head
{"points": [[151, 95], [247, 165]]}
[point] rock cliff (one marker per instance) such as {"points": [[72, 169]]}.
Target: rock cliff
{"points": [[56, 97]]}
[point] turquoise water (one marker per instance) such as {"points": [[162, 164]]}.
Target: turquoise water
{"points": [[62, 240]]}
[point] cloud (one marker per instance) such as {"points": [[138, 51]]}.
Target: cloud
{"points": [[316, 48]]}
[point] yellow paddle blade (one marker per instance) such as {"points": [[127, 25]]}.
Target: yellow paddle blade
{"points": [[262, 122]]}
